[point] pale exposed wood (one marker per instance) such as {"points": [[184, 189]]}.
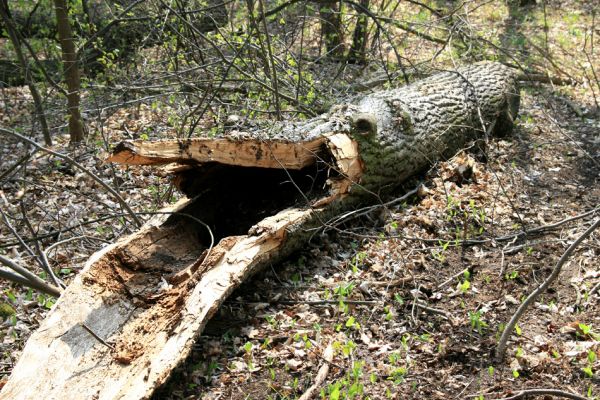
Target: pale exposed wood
{"points": [[70, 364], [230, 151]]}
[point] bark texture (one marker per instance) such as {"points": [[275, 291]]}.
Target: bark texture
{"points": [[407, 129], [150, 294], [331, 27], [71, 69]]}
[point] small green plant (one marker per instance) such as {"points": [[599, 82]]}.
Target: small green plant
{"points": [[351, 323], [399, 299], [511, 276], [466, 284], [555, 354], [345, 348], [344, 290], [394, 358], [271, 321], [357, 260], [404, 341], [397, 375], [586, 331], [296, 279], [438, 253], [591, 359], [373, 378], [477, 323], [519, 353], [518, 330], [588, 372], [388, 313]]}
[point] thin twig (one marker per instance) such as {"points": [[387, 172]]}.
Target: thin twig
{"points": [[311, 392], [98, 338], [542, 392], [40, 254], [323, 302], [501, 349], [453, 277], [433, 310], [33, 280], [72, 239], [19, 279]]}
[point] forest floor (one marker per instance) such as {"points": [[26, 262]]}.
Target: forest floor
{"points": [[359, 288], [407, 312]]}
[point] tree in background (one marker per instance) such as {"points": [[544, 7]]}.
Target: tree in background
{"points": [[71, 69]]}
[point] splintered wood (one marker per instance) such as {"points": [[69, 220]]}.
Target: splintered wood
{"points": [[229, 151]]}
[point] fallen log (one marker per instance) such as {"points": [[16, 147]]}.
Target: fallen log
{"points": [[262, 194]]}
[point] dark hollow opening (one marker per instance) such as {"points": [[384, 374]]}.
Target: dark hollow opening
{"points": [[231, 199]]}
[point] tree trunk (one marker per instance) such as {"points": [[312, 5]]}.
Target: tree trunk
{"points": [[71, 69], [358, 51], [262, 194], [331, 27]]}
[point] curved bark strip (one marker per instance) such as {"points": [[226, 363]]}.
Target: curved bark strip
{"points": [[263, 194]]}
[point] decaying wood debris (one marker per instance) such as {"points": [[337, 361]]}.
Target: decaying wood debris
{"points": [[148, 296]]}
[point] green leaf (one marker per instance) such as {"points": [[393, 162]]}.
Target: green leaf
{"points": [[591, 356], [350, 323], [335, 394], [373, 378], [464, 287]]}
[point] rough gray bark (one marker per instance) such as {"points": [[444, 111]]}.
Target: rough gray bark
{"points": [[150, 294], [332, 32], [358, 50], [432, 119]]}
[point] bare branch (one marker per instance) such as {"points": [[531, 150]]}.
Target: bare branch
{"points": [[501, 349]]}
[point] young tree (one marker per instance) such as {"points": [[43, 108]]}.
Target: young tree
{"points": [[71, 69], [358, 51], [331, 27]]}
